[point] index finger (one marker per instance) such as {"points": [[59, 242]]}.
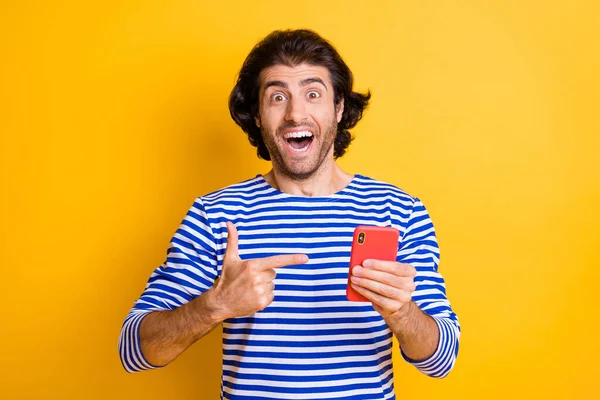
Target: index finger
{"points": [[281, 261], [391, 267]]}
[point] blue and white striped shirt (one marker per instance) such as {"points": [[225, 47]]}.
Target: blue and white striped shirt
{"points": [[311, 342]]}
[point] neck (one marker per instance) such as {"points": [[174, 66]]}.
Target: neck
{"points": [[324, 182]]}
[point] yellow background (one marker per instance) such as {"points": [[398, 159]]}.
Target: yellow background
{"points": [[113, 118]]}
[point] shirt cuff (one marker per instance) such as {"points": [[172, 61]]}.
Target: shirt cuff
{"points": [[130, 349], [439, 364]]}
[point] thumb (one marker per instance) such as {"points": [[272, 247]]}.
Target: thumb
{"points": [[231, 251]]}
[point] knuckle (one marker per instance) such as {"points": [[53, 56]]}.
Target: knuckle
{"points": [[266, 300], [250, 265], [257, 291], [407, 283]]}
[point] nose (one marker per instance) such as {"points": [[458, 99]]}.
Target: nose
{"points": [[296, 110]]}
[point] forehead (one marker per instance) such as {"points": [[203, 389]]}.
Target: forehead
{"points": [[294, 75]]}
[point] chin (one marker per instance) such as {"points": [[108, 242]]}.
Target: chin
{"points": [[299, 174]]}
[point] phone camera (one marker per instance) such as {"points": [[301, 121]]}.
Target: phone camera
{"points": [[361, 238]]}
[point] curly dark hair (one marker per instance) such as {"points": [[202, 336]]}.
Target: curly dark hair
{"points": [[291, 48]]}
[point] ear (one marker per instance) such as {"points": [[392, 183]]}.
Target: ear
{"points": [[257, 120], [339, 110]]}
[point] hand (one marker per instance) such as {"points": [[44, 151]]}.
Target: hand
{"points": [[387, 284], [247, 286]]}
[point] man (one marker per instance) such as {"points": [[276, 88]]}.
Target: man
{"points": [[268, 257]]}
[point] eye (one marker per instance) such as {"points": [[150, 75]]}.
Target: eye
{"points": [[278, 97], [313, 94]]}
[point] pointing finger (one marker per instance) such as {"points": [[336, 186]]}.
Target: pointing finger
{"points": [[281, 261]]}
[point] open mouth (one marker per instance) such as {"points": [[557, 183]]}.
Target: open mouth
{"points": [[299, 141]]}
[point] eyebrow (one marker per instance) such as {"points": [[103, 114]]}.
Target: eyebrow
{"points": [[303, 82]]}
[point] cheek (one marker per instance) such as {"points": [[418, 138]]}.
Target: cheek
{"points": [[324, 116], [270, 119]]}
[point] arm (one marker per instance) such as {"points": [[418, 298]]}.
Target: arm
{"points": [[164, 335], [189, 271], [415, 330], [389, 285], [410, 294], [244, 288], [156, 338], [153, 339]]}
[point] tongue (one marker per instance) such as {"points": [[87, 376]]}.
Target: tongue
{"points": [[299, 143]]}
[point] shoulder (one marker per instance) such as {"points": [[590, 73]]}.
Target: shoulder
{"points": [[375, 188], [244, 190]]}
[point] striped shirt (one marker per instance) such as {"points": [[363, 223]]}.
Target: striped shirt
{"points": [[311, 342]]}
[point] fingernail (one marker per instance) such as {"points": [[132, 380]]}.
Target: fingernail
{"points": [[354, 279], [367, 263], [356, 270]]}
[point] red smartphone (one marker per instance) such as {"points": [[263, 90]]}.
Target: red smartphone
{"points": [[371, 242]]}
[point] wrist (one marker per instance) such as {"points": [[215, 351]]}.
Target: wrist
{"points": [[206, 310], [402, 317]]}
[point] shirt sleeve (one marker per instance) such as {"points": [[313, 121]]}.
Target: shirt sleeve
{"points": [[189, 270], [420, 249]]}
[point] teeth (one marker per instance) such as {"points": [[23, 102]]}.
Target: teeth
{"points": [[300, 134]]}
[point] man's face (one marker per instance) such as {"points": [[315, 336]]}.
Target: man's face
{"points": [[298, 118]]}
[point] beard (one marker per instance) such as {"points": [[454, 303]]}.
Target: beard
{"points": [[321, 147]]}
